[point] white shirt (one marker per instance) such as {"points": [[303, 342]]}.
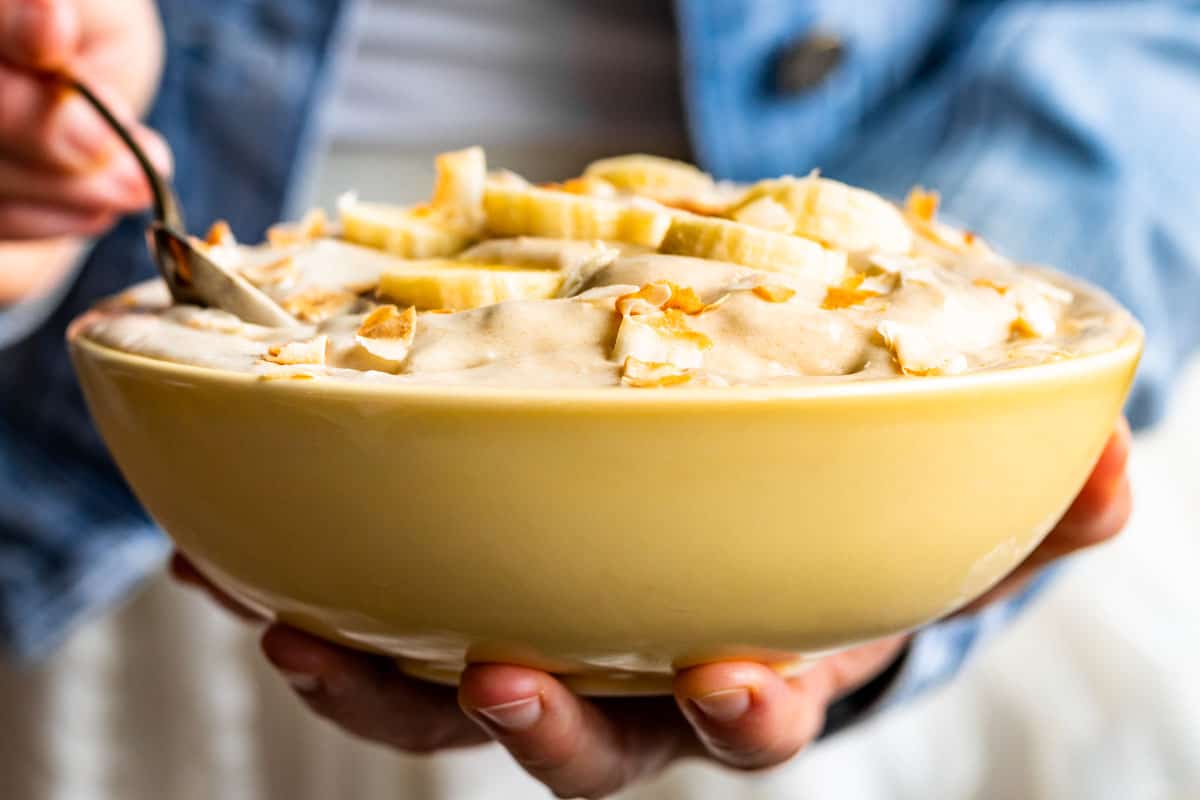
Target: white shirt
{"points": [[545, 86]]}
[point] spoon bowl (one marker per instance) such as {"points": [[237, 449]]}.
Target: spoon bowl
{"points": [[192, 277]]}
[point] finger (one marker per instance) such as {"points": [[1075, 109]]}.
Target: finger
{"points": [[564, 741], [1105, 484], [39, 121], [121, 188], [32, 221], [42, 122], [1102, 529], [750, 717], [1098, 514], [1101, 509], [367, 696], [185, 572], [1102, 524], [38, 33]]}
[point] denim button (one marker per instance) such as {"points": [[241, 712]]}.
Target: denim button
{"points": [[806, 63]]}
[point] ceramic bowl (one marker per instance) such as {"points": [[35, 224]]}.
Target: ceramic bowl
{"points": [[608, 536]]}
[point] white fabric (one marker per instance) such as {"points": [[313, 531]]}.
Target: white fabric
{"points": [[431, 71], [545, 86], [1093, 694]]}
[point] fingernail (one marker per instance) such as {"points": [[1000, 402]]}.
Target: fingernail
{"points": [[519, 715], [724, 706], [81, 138], [300, 681]]}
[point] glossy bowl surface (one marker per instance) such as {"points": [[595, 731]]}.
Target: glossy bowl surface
{"points": [[609, 536]]}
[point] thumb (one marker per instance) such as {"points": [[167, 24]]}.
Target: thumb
{"points": [[38, 34]]}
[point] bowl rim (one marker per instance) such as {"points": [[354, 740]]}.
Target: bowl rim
{"points": [[1127, 350]]}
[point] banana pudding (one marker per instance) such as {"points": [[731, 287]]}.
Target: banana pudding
{"points": [[641, 273]]}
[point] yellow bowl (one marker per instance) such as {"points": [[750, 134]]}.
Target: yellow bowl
{"points": [[609, 536]]}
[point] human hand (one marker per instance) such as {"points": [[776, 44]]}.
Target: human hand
{"points": [[743, 715], [63, 173]]}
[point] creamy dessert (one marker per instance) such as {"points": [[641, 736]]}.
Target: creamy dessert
{"points": [[641, 273]]}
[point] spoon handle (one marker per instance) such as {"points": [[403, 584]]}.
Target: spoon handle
{"points": [[190, 275], [167, 210]]}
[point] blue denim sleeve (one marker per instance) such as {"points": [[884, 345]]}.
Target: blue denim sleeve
{"points": [[240, 80], [21, 319], [742, 128], [1057, 130]]}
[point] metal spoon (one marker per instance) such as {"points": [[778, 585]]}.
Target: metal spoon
{"points": [[192, 277]]}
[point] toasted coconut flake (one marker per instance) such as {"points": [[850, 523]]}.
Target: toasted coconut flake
{"points": [[663, 296], [275, 372], [389, 322], [312, 225], [660, 338], [984, 283], [1035, 318], [923, 204], [272, 273], [652, 375], [847, 295], [317, 305], [881, 283], [387, 332], [1038, 305], [220, 235], [673, 324], [774, 294], [890, 263], [715, 304], [440, 311], [837, 298], [647, 300], [685, 299], [311, 351], [916, 354], [941, 235]]}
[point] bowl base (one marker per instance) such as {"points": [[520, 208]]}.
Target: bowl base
{"points": [[601, 683]]}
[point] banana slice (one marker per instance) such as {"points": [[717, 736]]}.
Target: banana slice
{"points": [[409, 232], [535, 253], [835, 214], [441, 228], [440, 284], [652, 176], [766, 213], [458, 193], [725, 240], [531, 211]]}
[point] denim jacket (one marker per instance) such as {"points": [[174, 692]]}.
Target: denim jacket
{"points": [[1057, 129]]}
